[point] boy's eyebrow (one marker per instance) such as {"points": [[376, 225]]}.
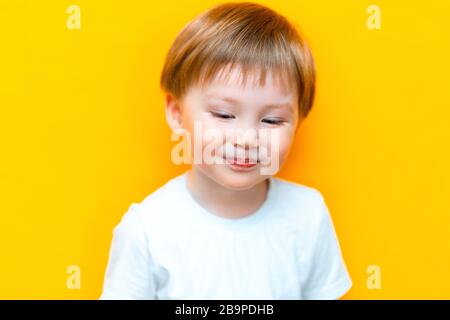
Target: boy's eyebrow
{"points": [[268, 106]]}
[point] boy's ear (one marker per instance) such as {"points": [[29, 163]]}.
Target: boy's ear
{"points": [[173, 112]]}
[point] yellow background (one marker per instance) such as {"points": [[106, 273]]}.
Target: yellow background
{"points": [[83, 135]]}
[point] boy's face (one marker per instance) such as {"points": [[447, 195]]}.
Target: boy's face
{"points": [[231, 119]]}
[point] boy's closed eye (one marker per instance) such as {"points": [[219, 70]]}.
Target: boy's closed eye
{"points": [[226, 116], [275, 121], [222, 115]]}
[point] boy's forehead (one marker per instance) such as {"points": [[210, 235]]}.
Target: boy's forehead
{"points": [[231, 83]]}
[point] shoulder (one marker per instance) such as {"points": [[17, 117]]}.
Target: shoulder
{"points": [[163, 197], [156, 210], [298, 195], [303, 205]]}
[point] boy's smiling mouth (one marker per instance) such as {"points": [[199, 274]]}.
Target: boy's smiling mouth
{"points": [[239, 163]]}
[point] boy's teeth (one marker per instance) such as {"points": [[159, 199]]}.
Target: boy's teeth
{"points": [[244, 160]]}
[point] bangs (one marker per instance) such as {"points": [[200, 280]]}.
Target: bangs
{"points": [[254, 74]]}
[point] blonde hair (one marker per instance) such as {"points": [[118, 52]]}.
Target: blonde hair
{"points": [[245, 34]]}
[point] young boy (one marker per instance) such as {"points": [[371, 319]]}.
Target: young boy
{"points": [[226, 228]]}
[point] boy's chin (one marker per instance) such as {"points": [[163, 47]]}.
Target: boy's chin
{"points": [[236, 180]]}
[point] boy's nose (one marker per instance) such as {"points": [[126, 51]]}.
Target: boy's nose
{"points": [[246, 139]]}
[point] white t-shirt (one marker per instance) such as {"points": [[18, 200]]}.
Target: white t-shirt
{"points": [[169, 247]]}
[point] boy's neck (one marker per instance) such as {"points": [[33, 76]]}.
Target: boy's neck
{"points": [[222, 201]]}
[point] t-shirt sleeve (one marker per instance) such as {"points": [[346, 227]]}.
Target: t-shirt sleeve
{"points": [[328, 278], [129, 270]]}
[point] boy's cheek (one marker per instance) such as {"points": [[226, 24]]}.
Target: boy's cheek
{"points": [[280, 147], [285, 149]]}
